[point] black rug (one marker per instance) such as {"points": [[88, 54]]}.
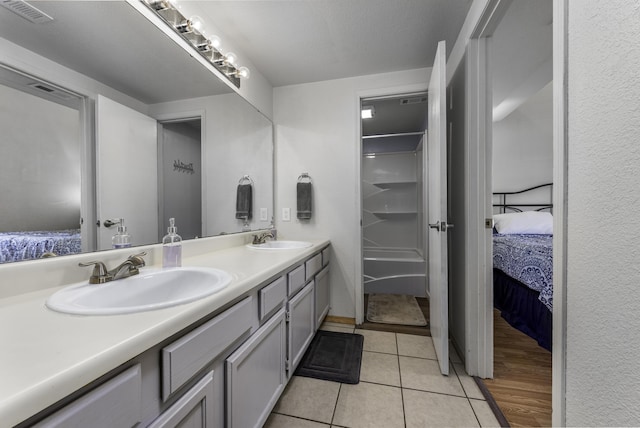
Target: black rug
{"points": [[333, 356]]}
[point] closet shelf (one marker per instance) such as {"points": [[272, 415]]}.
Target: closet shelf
{"points": [[388, 184]]}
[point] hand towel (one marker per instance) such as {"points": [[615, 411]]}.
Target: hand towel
{"points": [[244, 199], [303, 191]]}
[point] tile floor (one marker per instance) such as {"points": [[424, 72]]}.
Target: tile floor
{"points": [[400, 386]]}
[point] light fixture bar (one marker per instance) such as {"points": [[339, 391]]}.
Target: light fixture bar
{"points": [[191, 31]]}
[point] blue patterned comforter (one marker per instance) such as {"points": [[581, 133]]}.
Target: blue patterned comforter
{"points": [[529, 259], [16, 246]]}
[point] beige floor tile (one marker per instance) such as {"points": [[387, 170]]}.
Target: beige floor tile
{"points": [[416, 346], [453, 355], [283, 421], [418, 373], [336, 328], [380, 368], [369, 405], [468, 384], [338, 324], [309, 398], [426, 409], [379, 341], [484, 414]]}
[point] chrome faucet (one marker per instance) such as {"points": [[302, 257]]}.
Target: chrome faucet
{"points": [[129, 267], [262, 238]]}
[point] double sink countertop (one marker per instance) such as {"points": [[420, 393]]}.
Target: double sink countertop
{"points": [[48, 355]]}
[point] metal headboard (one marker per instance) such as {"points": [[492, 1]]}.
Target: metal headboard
{"points": [[543, 205]]}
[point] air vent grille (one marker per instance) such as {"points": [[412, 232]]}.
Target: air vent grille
{"points": [[25, 10], [413, 100], [54, 92]]}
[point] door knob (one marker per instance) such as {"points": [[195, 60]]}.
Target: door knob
{"points": [[441, 226], [435, 226]]}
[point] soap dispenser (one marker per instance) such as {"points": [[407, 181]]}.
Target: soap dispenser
{"points": [[121, 239], [172, 246]]}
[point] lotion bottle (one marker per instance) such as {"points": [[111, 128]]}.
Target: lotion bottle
{"points": [[121, 239], [172, 247]]}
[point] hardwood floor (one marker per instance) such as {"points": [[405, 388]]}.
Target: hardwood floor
{"points": [[394, 328], [522, 377]]}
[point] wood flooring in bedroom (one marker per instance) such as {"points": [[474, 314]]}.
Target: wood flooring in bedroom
{"points": [[522, 377]]}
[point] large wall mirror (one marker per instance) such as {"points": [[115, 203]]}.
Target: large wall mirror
{"points": [[105, 117]]}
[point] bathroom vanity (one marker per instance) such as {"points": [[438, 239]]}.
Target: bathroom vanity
{"points": [[221, 361]]}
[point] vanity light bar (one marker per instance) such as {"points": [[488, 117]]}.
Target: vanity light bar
{"points": [[191, 31]]}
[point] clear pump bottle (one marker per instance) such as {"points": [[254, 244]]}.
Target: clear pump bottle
{"points": [[121, 239], [172, 247]]}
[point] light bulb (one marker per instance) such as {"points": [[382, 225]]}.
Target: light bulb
{"points": [[197, 23], [243, 72], [230, 58], [215, 41]]}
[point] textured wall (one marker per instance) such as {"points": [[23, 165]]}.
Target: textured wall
{"points": [[603, 273]]}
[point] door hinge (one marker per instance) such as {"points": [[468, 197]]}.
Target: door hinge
{"points": [[287, 316], [488, 223], [287, 364]]}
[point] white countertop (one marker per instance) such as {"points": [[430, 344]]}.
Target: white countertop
{"points": [[47, 355]]}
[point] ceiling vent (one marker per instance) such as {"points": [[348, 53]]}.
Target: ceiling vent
{"points": [[52, 91], [413, 100], [25, 10]]}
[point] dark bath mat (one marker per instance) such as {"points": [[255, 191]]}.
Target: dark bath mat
{"points": [[333, 356]]}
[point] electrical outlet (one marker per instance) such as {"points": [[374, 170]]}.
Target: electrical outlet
{"points": [[264, 214], [286, 214]]}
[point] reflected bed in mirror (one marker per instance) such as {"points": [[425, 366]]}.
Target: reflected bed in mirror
{"points": [[74, 161]]}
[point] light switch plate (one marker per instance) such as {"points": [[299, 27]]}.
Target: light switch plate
{"points": [[286, 214], [264, 214]]}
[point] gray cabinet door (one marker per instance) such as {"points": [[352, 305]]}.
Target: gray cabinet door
{"points": [[193, 410], [322, 296], [256, 374], [302, 324]]}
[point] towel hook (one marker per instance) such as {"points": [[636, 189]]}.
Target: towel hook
{"points": [[245, 179], [304, 178]]}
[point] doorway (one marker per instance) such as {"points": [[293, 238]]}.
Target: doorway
{"points": [[180, 176], [392, 189]]}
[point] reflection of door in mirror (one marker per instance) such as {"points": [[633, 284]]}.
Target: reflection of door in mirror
{"points": [[40, 179], [180, 177], [127, 172]]}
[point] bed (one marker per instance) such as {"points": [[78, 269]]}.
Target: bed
{"points": [[17, 246], [523, 262]]}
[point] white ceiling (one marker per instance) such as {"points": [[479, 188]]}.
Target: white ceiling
{"points": [[301, 41]]}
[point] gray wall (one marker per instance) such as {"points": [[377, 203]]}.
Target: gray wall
{"points": [[457, 200], [40, 173]]}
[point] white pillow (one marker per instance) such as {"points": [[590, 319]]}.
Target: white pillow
{"points": [[530, 222]]}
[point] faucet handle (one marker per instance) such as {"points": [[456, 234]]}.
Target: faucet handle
{"points": [[99, 274], [137, 259]]}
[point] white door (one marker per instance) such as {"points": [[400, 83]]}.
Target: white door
{"points": [[437, 235], [127, 172]]}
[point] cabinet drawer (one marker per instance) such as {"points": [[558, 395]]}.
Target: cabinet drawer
{"points": [[325, 256], [313, 265], [185, 357], [272, 296], [296, 280], [193, 409], [115, 403]]}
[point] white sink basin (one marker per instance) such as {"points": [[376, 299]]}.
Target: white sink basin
{"points": [[280, 245], [149, 290]]}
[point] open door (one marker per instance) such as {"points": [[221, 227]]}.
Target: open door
{"points": [[127, 172], [437, 197]]}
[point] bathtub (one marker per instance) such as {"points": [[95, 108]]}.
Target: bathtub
{"points": [[394, 271]]}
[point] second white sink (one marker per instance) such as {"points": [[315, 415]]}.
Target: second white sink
{"points": [[149, 290], [281, 245]]}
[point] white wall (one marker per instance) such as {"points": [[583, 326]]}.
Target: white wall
{"points": [[523, 145], [603, 231], [40, 174], [317, 131]]}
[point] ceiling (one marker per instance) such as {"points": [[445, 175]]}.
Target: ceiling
{"points": [[294, 41]]}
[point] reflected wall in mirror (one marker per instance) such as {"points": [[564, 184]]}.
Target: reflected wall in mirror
{"points": [[63, 178]]}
